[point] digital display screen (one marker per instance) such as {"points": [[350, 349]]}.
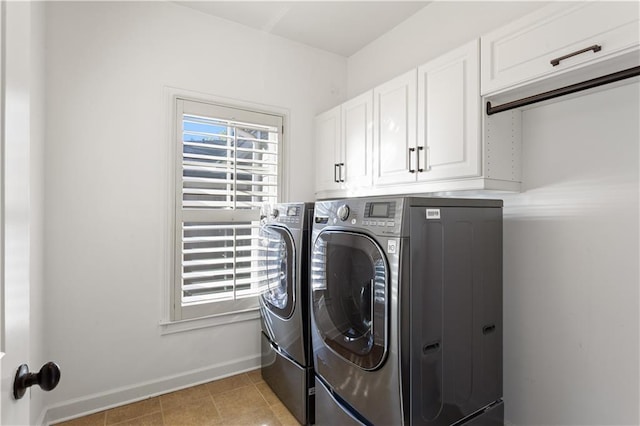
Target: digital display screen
{"points": [[379, 210], [292, 211]]}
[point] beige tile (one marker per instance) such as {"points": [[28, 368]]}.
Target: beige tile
{"points": [[267, 393], [261, 416], [284, 415], [97, 419], [201, 412], [131, 411], [177, 399], [239, 401], [230, 383], [255, 375], [148, 420]]}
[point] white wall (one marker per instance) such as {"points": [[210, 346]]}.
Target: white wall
{"points": [[571, 297], [436, 29], [106, 184]]}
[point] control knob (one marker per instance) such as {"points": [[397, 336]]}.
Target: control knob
{"points": [[275, 213], [343, 212]]}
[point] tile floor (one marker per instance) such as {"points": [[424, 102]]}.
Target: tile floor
{"points": [[244, 399]]}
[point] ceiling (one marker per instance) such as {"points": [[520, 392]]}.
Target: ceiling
{"points": [[341, 27]]}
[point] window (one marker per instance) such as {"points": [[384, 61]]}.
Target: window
{"points": [[227, 168]]}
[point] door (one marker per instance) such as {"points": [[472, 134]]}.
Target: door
{"points": [[327, 149], [14, 211], [281, 310], [350, 297], [449, 115], [2, 100], [357, 142], [394, 132], [277, 259]]}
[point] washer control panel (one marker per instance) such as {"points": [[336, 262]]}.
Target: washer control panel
{"points": [[379, 216]]}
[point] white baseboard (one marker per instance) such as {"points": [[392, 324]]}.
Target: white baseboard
{"points": [[90, 404]]}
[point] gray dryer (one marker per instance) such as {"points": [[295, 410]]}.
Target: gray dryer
{"points": [[284, 306]]}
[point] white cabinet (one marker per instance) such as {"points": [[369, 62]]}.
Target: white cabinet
{"points": [[561, 38], [356, 166], [444, 106], [449, 115], [455, 146], [394, 106], [343, 145], [327, 149], [429, 135]]}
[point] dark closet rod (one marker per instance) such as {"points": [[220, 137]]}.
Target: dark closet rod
{"points": [[589, 84]]}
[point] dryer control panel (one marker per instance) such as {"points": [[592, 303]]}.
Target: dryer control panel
{"points": [[289, 214]]}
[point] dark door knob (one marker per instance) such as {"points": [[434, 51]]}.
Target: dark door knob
{"points": [[47, 378]]}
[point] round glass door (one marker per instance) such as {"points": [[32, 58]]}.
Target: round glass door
{"points": [[276, 263], [349, 285]]}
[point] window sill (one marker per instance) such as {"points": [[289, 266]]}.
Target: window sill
{"points": [[171, 327]]}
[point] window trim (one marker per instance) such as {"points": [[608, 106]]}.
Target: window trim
{"points": [[172, 311]]}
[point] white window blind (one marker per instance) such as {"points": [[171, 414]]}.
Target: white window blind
{"points": [[227, 169]]}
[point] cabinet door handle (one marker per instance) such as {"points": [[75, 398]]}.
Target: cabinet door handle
{"points": [[341, 172], [595, 48], [411, 151], [335, 173], [420, 148]]}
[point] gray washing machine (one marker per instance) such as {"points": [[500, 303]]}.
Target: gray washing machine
{"points": [[407, 311], [287, 365]]}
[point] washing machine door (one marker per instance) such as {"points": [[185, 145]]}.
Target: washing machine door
{"points": [[277, 260], [350, 296]]}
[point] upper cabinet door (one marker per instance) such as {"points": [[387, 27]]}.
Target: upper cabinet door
{"points": [[327, 149], [356, 167], [449, 115], [557, 39], [394, 134]]}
